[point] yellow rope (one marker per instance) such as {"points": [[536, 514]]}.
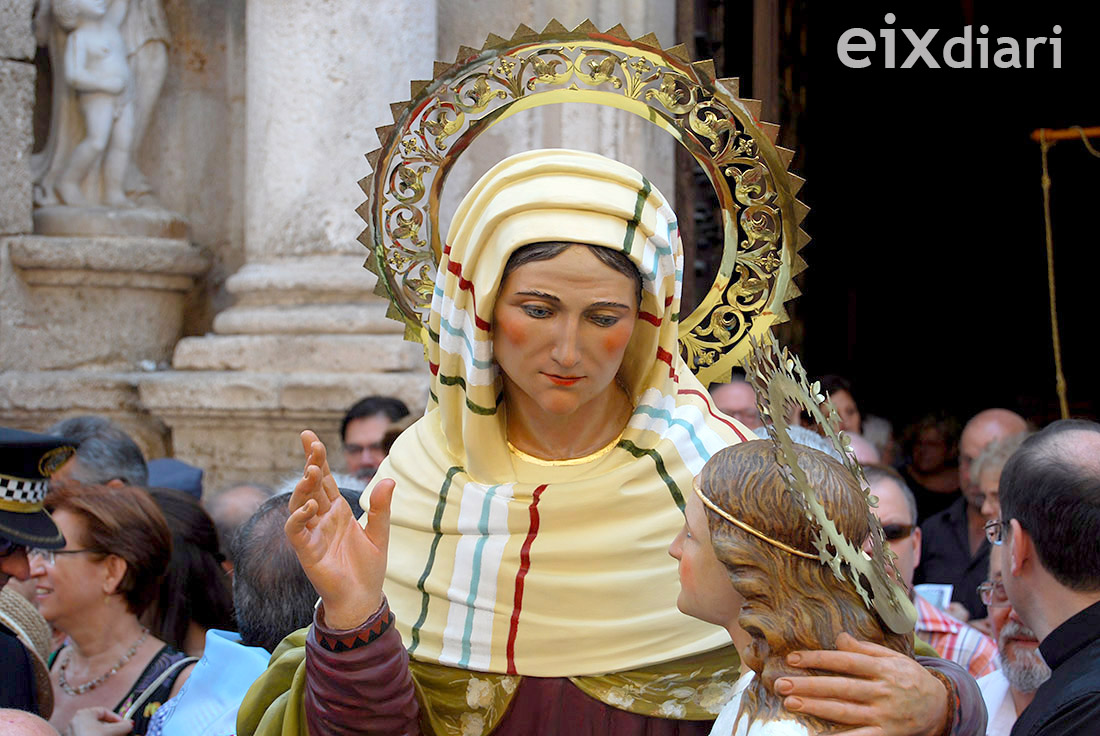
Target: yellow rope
{"points": [[1085, 140], [1059, 377]]}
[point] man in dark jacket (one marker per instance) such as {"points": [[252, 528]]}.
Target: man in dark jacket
{"points": [[1050, 569]]}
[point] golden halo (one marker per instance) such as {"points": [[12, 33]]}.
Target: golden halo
{"points": [[723, 133]]}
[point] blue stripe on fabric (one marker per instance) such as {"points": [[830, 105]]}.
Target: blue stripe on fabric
{"points": [[457, 332], [475, 578], [664, 414], [657, 252], [483, 364]]}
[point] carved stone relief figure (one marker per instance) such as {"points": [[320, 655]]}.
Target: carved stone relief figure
{"points": [[97, 70], [109, 59]]}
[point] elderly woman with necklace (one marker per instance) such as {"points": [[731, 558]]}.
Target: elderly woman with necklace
{"points": [[94, 590], [525, 570]]}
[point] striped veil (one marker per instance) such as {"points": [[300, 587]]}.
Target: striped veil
{"points": [[499, 564]]}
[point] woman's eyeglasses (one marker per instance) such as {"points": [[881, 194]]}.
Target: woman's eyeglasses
{"points": [[993, 594], [894, 532], [49, 555]]}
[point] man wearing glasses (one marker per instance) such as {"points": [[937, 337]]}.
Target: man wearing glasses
{"points": [[1009, 690], [1049, 535], [952, 639], [363, 433], [26, 462]]}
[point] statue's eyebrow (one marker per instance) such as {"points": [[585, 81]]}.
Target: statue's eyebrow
{"points": [[540, 295], [608, 305], [551, 298]]}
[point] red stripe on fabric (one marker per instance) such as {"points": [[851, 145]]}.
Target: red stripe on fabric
{"points": [[456, 268], [666, 357], [668, 301], [446, 249], [524, 566], [723, 420], [650, 318], [434, 368]]}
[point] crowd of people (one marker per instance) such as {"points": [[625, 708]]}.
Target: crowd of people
{"points": [[575, 538], [125, 581]]}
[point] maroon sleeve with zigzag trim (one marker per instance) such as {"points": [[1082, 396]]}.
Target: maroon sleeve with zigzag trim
{"points": [[358, 681]]}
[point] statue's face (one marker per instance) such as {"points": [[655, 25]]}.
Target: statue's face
{"points": [[705, 588], [560, 329], [93, 8]]}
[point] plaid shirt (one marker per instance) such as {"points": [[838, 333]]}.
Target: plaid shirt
{"points": [[956, 641]]}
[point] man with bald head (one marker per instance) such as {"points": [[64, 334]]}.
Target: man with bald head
{"points": [[738, 400], [21, 723], [231, 508], [1049, 532], [955, 548]]}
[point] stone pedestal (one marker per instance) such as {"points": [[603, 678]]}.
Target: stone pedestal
{"points": [[82, 318]]}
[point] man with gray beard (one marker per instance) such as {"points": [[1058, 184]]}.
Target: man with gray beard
{"points": [[1012, 688]]}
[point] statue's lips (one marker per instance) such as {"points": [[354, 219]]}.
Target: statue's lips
{"points": [[562, 380]]}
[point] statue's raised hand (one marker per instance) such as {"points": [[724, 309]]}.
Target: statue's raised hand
{"points": [[345, 562]]}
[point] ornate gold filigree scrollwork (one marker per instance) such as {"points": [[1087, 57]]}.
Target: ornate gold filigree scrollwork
{"points": [[721, 131], [597, 67], [676, 94]]}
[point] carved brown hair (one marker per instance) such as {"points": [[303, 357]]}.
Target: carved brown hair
{"points": [[791, 602]]}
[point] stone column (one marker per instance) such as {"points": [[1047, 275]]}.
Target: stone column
{"points": [[306, 336]]}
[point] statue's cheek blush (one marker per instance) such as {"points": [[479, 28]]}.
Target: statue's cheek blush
{"points": [[617, 337], [515, 331]]}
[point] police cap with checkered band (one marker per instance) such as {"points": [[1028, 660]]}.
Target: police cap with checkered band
{"points": [[27, 460]]}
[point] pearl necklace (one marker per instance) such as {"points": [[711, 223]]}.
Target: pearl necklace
{"points": [[80, 690]]}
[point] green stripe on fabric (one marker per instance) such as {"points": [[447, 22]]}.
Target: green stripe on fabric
{"points": [[437, 527], [459, 381], [639, 452], [643, 195]]}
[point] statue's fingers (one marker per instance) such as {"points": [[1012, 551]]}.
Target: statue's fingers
{"points": [[310, 487], [837, 711], [319, 457], [845, 642], [855, 664], [378, 517], [298, 521], [826, 687], [308, 437]]}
